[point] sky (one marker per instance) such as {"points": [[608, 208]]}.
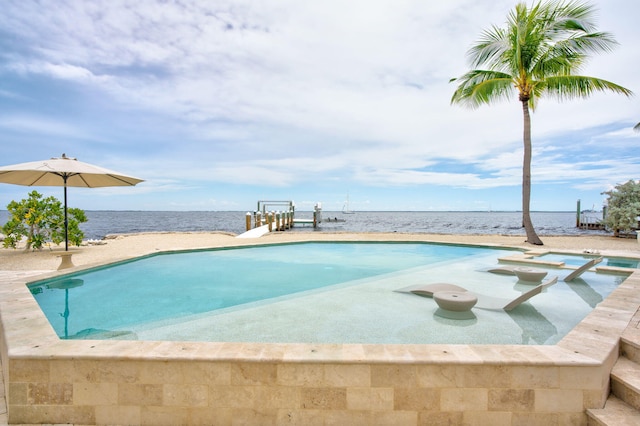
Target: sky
{"points": [[220, 104]]}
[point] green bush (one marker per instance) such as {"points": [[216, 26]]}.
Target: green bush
{"points": [[41, 220], [623, 207]]}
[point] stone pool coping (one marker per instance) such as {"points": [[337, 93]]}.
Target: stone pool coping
{"points": [[49, 380]]}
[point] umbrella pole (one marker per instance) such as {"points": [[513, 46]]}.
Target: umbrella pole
{"points": [[66, 221]]}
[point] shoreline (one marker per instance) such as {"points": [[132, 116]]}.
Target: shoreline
{"points": [[118, 247]]}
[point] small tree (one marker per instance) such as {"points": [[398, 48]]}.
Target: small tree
{"points": [[41, 220], [623, 207]]}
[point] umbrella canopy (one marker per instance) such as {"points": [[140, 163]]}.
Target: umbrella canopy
{"points": [[64, 171]]}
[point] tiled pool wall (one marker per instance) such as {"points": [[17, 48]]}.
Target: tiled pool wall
{"points": [[49, 380]]}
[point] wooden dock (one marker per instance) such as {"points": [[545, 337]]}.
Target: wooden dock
{"points": [[262, 220], [590, 219]]}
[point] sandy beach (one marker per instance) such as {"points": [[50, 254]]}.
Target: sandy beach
{"points": [[120, 247]]}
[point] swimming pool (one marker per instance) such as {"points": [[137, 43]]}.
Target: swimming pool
{"points": [[178, 382], [309, 292]]}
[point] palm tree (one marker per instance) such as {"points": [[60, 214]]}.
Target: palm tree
{"points": [[536, 53], [637, 127]]}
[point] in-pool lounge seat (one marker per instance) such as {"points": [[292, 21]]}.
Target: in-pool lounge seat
{"points": [[575, 274], [484, 301]]}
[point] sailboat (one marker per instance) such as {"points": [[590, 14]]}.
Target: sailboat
{"points": [[345, 207]]}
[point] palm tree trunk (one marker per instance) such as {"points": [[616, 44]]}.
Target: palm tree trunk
{"points": [[532, 237]]}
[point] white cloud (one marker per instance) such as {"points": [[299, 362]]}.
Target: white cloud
{"points": [[284, 91]]}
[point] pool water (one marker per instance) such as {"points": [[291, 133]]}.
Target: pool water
{"points": [[577, 260], [309, 292]]}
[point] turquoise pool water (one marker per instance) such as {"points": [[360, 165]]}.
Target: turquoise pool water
{"points": [[308, 292], [577, 260]]}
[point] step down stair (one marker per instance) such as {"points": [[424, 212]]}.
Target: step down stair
{"points": [[623, 405], [615, 412]]}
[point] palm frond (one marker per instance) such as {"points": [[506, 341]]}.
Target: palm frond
{"points": [[572, 16], [637, 127], [488, 49], [480, 87], [599, 42], [576, 86]]}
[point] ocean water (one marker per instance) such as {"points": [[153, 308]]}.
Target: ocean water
{"points": [[102, 223]]}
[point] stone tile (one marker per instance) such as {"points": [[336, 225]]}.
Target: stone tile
{"points": [[254, 416], [185, 395], [18, 393], [390, 375], [438, 376], [47, 414], [416, 399], [439, 418], [464, 399], [140, 394], [511, 399], [530, 377], [29, 370], [207, 416], [596, 398], [50, 393], [535, 419], [485, 375], [347, 417], [232, 396], [393, 418], [95, 371], [559, 400], [324, 398], [95, 393], [161, 372], [572, 419], [120, 414], [164, 416], [347, 375], [278, 397], [583, 377], [300, 374], [300, 417], [484, 418], [245, 373], [367, 398], [211, 373]]}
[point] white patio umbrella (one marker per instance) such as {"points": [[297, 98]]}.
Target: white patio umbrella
{"points": [[64, 171]]}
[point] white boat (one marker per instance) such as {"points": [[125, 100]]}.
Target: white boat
{"points": [[345, 207]]}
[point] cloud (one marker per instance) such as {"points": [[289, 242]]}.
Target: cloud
{"points": [[278, 93]]}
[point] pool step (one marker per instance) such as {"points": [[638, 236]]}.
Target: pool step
{"points": [[614, 413], [622, 408], [625, 381], [629, 348]]}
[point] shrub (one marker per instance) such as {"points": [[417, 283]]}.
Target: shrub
{"points": [[623, 207], [41, 220]]}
